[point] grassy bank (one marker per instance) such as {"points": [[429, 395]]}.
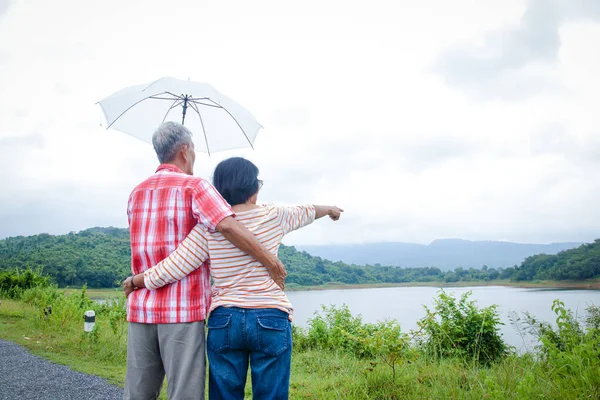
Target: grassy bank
{"points": [[457, 353]]}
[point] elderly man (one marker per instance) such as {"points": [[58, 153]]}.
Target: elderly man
{"points": [[166, 326]]}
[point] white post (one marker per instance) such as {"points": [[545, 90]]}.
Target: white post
{"points": [[89, 320]]}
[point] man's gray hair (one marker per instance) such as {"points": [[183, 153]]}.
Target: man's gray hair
{"points": [[168, 140]]}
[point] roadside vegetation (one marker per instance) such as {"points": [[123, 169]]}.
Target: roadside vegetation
{"points": [[457, 351]]}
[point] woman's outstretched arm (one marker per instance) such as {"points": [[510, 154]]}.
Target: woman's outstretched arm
{"points": [[332, 212], [296, 217]]}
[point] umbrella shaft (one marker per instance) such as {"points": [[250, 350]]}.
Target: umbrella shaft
{"points": [[185, 100]]}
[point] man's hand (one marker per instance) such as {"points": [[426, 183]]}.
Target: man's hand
{"points": [[128, 286], [278, 272], [335, 213]]}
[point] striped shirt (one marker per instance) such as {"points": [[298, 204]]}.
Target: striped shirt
{"points": [[238, 279], [162, 210]]}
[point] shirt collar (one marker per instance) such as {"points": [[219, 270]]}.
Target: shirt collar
{"points": [[169, 167]]}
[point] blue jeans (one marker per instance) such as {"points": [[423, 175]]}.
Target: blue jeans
{"points": [[238, 335]]}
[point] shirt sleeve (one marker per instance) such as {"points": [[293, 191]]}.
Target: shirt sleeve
{"points": [[191, 253], [292, 218], [129, 208], [209, 207]]}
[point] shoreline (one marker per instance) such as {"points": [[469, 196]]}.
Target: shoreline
{"points": [[101, 293], [587, 285]]}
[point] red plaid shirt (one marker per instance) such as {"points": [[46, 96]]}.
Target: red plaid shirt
{"points": [[162, 210]]}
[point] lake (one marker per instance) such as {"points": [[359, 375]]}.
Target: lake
{"points": [[405, 304]]}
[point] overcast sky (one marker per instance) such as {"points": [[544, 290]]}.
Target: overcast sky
{"points": [[423, 119]]}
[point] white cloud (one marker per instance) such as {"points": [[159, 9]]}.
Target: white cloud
{"points": [[353, 113], [516, 60]]}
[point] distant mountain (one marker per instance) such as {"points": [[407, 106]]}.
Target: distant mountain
{"points": [[445, 254]]}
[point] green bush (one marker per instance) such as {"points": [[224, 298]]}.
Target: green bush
{"points": [[335, 328], [568, 333], [41, 297], [570, 351], [458, 328], [117, 315], [593, 319], [389, 344], [14, 283]]}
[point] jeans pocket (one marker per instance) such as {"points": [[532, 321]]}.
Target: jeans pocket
{"points": [[218, 332], [273, 334]]}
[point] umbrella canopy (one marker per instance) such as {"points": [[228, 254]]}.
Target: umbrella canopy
{"points": [[217, 122]]}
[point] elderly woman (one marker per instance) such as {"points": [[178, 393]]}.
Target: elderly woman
{"points": [[250, 314]]}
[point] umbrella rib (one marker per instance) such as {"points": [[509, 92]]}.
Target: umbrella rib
{"points": [[165, 98], [238, 124], [172, 107], [128, 108], [214, 102], [195, 108], [242, 129], [220, 106], [204, 104], [135, 104], [181, 96]]}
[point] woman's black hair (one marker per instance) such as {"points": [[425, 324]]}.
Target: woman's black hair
{"points": [[236, 179]]}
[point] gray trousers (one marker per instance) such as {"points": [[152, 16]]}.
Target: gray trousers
{"points": [[177, 350]]}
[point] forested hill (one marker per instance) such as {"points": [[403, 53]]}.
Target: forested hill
{"points": [[580, 263], [96, 256], [100, 257]]}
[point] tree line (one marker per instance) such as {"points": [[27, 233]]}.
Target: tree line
{"points": [[100, 257], [580, 263]]}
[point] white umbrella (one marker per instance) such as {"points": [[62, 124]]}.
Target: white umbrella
{"points": [[217, 122]]}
